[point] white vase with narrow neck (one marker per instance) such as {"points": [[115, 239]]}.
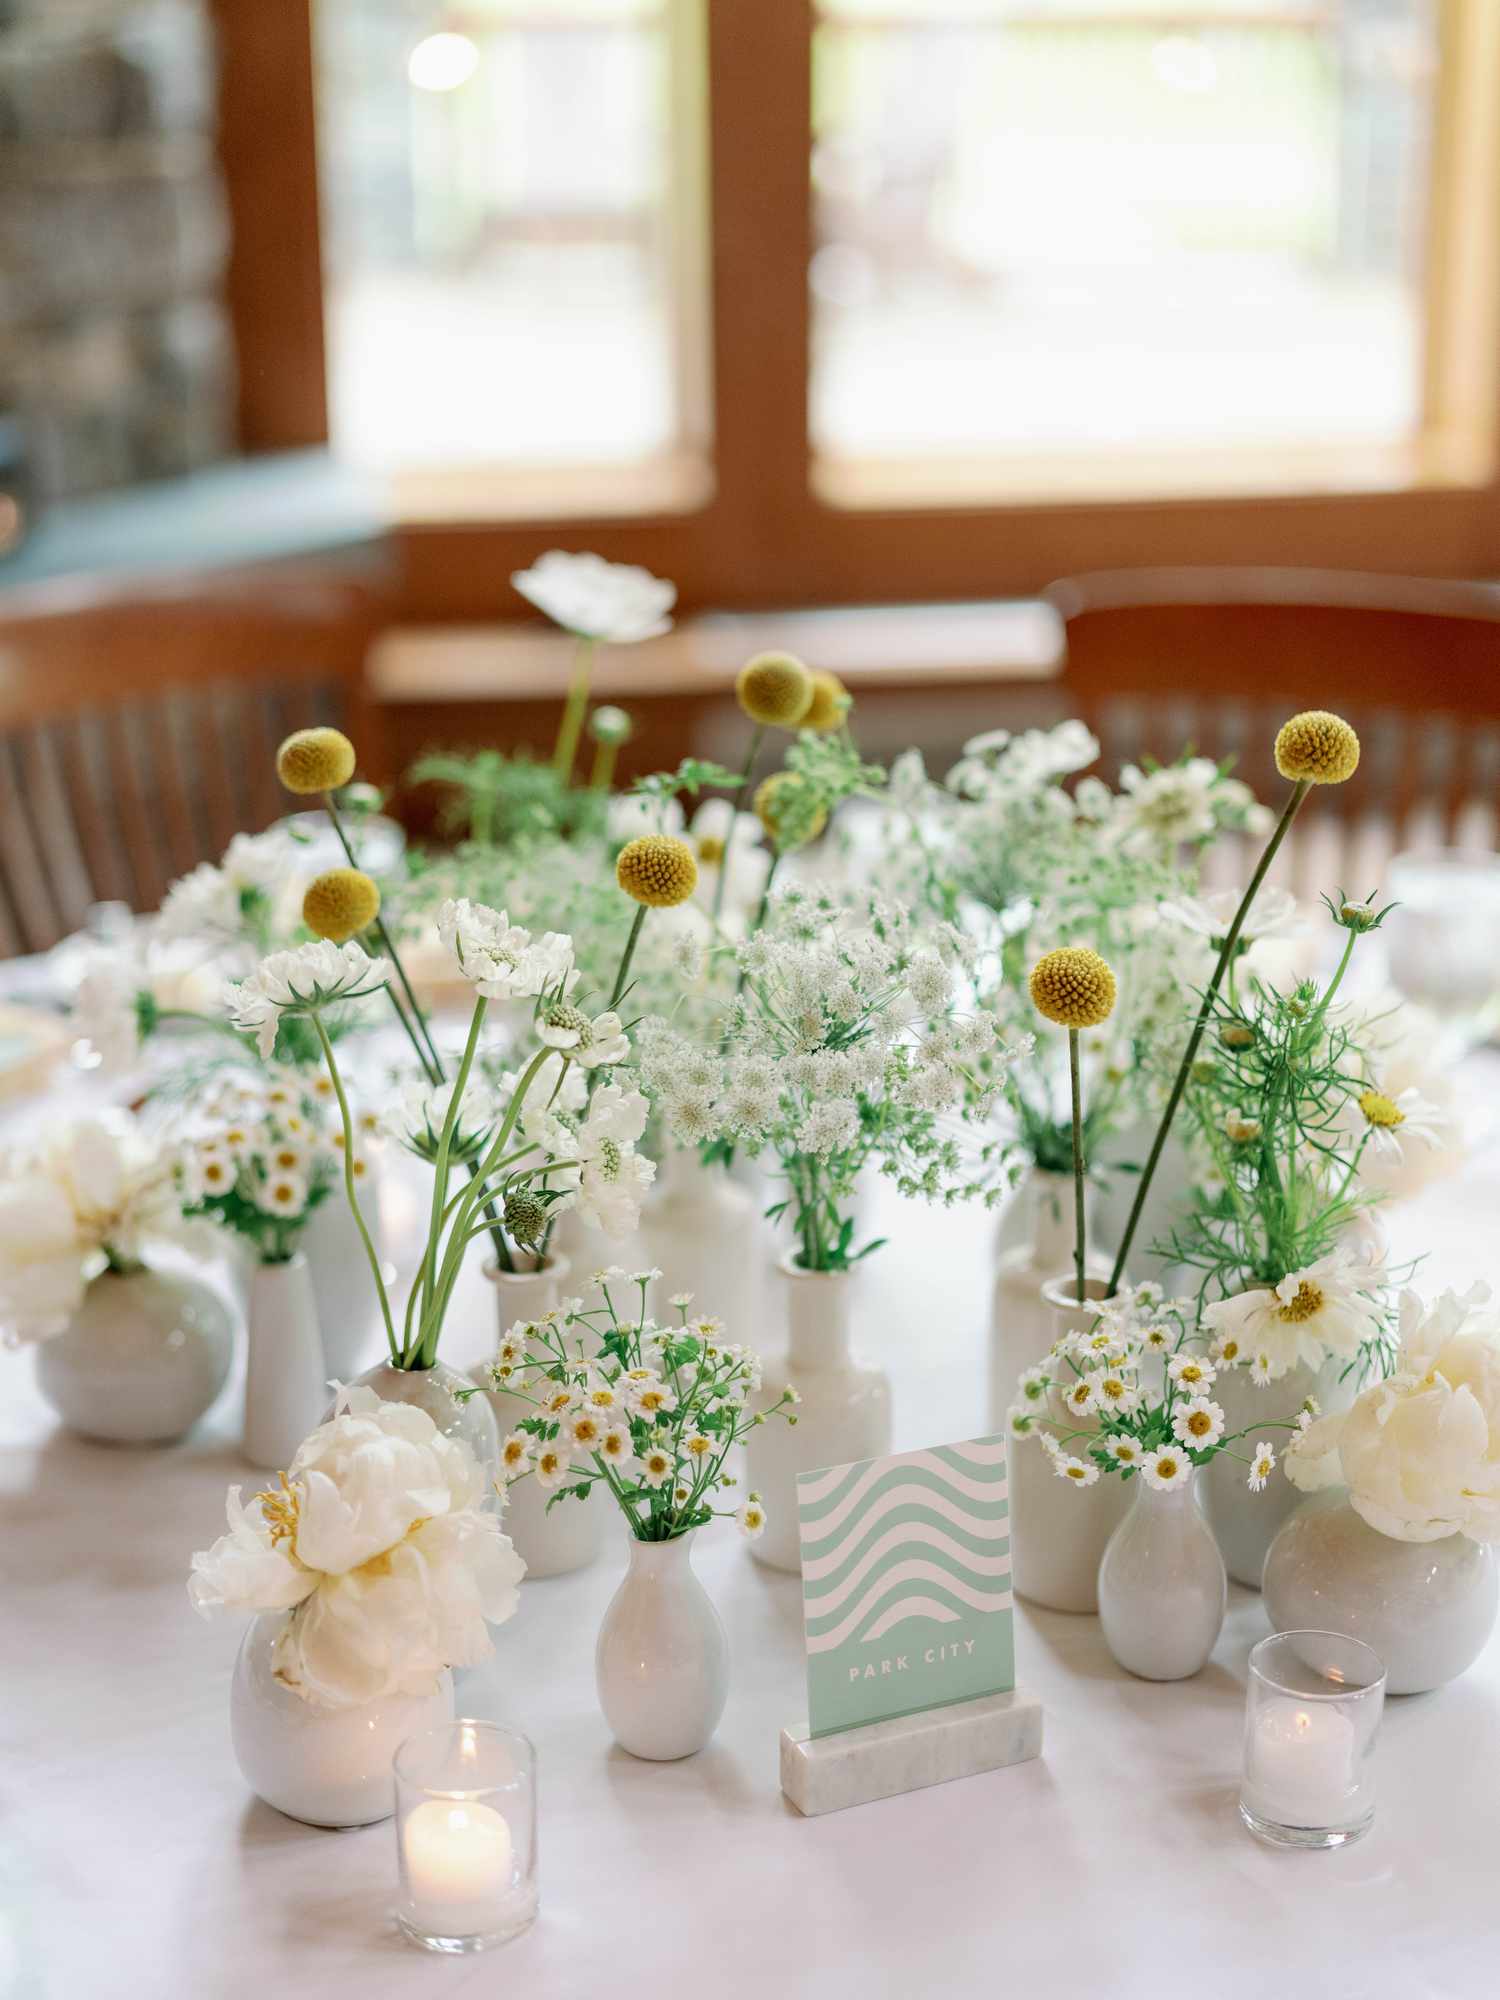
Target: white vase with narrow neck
{"points": [[1058, 1530], [1020, 1320], [703, 1232], [569, 1536], [843, 1413], [286, 1379], [662, 1661], [142, 1358], [1427, 1608], [343, 1284], [1162, 1588], [1244, 1523], [325, 1766]]}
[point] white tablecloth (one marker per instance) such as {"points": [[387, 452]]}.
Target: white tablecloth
{"points": [[134, 1861]]}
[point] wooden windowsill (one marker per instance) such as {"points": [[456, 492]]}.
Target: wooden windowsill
{"points": [[676, 483]]}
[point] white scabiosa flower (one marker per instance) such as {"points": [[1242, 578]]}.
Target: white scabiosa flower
{"points": [[594, 1043], [620, 603], [501, 960], [612, 1176], [299, 982]]}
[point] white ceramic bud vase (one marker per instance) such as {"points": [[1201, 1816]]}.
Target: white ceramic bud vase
{"points": [[432, 1389], [662, 1661], [703, 1233], [286, 1382], [843, 1412], [1244, 1523], [1059, 1531], [1162, 1588], [325, 1766], [1427, 1608], [1021, 1321], [343, 1284], [142, 1358], [570, 1535]]}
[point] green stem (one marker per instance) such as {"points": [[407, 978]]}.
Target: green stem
{"points": [[416, 1027], [629, 953], [1226, 954], [757, 736], [359, 1220], [445, 1146], [571, 726], [1076, 1085], [602, 775]]}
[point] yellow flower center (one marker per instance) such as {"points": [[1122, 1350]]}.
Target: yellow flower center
{"points": [[1077, 1471], [1167, 1468], [1381, 1110], [1229, 1350], [1200, 1423], [1309, 1300], [710, 850], [282, 1510]]}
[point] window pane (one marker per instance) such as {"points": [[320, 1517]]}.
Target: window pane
{"points": [[1068, 229], [500, 233]]}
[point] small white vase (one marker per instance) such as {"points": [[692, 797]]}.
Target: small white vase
{"points": [[1244, 1523], [570, 1535], [326, 1766], [142, 1358], [431, 1389], [662, 1661], [1059, 1531], [1021, 1322], [1162, 1587], [703, 1232], [1427, 1608], [343, 1285], [843, 1413], [286, 1382]]}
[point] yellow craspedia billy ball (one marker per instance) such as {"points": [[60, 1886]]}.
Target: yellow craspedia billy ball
{"points": [[657, 869], [1073, 987], [770, 801], [831, 702], [774, 689], [1317, 747], [315, 760], [340, 903]]}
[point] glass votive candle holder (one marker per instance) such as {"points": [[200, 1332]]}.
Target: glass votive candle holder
{"points": [[466, 1836], [1312, 1712]]}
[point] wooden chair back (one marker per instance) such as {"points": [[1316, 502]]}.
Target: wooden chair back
{"points": [[138, 729]]}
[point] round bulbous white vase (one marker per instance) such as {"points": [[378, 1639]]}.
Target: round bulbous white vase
{"points": [[662, 1661], [1059, 1531], [703, 1232], [1244, 1523], [141, 1360], [843, 1411], [1427, 1608], [343, 1285], [325, 1766], [1021, 1321], [1162, 1587], [286, 1381], [431, 1389], [569, 1536]]}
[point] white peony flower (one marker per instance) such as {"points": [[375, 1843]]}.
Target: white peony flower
{"points": [[378, 1546], [41, 1260], [1308, 1316], [500, 959], [290, 983], [595, 599]]}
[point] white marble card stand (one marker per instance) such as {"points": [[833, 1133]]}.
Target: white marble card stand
{"points": [[822, 1774]]}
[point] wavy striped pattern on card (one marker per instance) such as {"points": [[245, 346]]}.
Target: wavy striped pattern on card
{"points": [[921, 1536]]}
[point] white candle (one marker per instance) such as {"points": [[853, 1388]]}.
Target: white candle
{"points": [[458, 1867], [1300, 1764]]}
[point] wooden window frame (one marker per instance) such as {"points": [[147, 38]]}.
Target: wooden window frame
{"points": [[760, 533]]}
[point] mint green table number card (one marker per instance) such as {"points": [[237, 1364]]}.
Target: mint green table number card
{"points": [[906, 1589]]}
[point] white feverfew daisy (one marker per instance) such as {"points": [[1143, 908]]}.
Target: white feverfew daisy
{"points": [[1262, 1465], [1166, 1468], [614, 1446], [1115, 1393], [657, 1466], [1081, 1397], [1198, 1425], [1192, 1374], [282, 1194], [1078, 1471], [516, 1455], [1020, 1422], [1125, 1451], [752, 1518], [552, 1466]]}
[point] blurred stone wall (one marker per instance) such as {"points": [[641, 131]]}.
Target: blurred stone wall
{"points": [[115, 349]]}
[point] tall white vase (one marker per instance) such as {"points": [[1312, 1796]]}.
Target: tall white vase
{"points": [[142, 1358], [1059, 1531], [1021, 1322], [570, 1535], [1162, 1588], [662, 1661], [703, 1233], [286, 1382], [844, 1412], [326, 1766], [343, 1286], [1427, 1608], [1244, 1523]]}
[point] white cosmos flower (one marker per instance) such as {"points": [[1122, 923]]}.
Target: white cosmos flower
{"points": [[612, 1178], [1390, 1123], [1166, 1468], [595, 599], [594, 1043], [291, 983], [500, 959], [1198, 1425], [378, 1546], [1272, 913], [1310, 1315]]}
